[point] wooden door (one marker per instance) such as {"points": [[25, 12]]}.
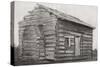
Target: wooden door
{"points": [[77, 46]]}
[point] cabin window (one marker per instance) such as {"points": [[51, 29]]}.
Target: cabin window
{"points": [[69, 41]]}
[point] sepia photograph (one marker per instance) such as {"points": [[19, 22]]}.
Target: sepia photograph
{"points": [[45, 33]]}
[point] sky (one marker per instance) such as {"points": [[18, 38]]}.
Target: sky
{"points": [[85, 13]]}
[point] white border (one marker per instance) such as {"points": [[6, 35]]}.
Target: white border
{"points": [[5, 33]]}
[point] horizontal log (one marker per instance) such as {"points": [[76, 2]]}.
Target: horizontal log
{"points": [[50, 45], [30, 49], [60, 34], [49, 37], [34, 54], [73, 33], [61, 51], [88, 36], [41, 46], [42, 54], [49, 27], [84, 54], [86, 51], [60, 55], [69, 51], [61, 43], [86, 45], [61, 30], [29, 46], [87, 42], [50, 41], [69, 36], [47, 49], [50, 57], [41, 51], [31, 41], [42, 58], [63, 55], [61, 39], [49, 32], [60, 47]]}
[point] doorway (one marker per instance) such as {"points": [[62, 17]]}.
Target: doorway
{"points": [[77, 46]]}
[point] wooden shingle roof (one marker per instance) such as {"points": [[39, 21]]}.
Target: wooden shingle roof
{"points": [[65, 16]]}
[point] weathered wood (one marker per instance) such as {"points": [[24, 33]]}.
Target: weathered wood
{"points": [[61, 39], [69, 51], [50, 45], [74, 27], [49, 49], [60, 35], [61, 43], [61, 51], [49, 37], [50, 40]]}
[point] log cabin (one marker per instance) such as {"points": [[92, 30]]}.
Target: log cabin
{"points": [[48, 34]]}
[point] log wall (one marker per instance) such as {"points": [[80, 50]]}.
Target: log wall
{"points": [[45, 37], [84, 32]]}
